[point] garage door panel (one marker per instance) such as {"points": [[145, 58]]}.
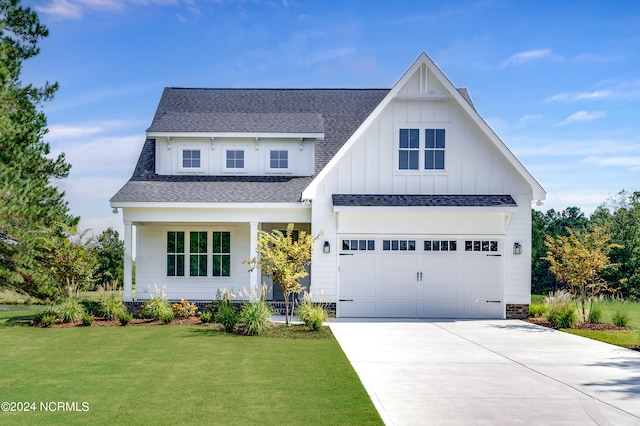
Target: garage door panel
{"points": [[399, 291], [360, 292], [440, 283], [441, 292], [439, 310], [398, 310], [361, 309]]}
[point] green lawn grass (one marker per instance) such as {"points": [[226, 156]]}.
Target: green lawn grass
{"points": [[624, 338], [176, 374]]}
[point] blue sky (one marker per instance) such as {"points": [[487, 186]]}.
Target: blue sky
{"points": [[559, 82]]}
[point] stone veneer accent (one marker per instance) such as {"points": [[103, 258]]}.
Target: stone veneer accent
{"points": [[517, 311]]}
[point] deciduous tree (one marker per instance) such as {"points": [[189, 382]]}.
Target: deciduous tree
{"points": [[578, 260], [284, 260]]}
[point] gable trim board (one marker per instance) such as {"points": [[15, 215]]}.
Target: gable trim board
{"points": [[401, 244]]}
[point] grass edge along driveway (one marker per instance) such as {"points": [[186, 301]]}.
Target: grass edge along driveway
{"points": [[175, 374]]}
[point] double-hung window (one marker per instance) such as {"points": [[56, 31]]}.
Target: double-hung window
{"points": [[409, 153], [175, 254], [221, 254], [198, 254], [434, 146], [421, 149]]}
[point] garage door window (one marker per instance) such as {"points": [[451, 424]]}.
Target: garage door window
{"points": [[482, 246], [437, 245], [362, 245], [399, 245]]}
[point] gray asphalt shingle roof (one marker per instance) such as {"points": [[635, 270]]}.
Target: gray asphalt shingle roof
{"points": [[335, 112], [388, 200]]}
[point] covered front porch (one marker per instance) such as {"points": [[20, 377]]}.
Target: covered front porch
{"points": [[199, 253]]}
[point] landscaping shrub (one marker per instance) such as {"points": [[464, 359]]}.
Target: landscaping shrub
{"points": [[227, 315], [37, 318], [537, 310], [48, 320], [313, 315], [206, 317], [595, 315], [70, 310], [111, 307], [91, 307], [620, 319], [158, 308], [125, 318], [255, 316], [184, 309], [87, 319], [561, 311]]}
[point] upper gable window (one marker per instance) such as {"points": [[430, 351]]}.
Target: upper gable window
{"points": [[235, 159], [414, 141], [191, 159], [278, 159], [409, 153], [434, 145]]}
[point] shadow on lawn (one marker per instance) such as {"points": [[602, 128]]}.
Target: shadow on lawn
{"points": [[16, 321]]}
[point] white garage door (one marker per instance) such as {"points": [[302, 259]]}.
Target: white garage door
{"points": [[420, 277]]}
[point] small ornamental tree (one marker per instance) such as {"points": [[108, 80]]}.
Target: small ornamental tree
{"points": [[578, 259], [284, 260]]}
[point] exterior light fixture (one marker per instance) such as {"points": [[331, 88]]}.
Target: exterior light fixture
{"points": [[115, 210], [326, 248], [517, 248]]}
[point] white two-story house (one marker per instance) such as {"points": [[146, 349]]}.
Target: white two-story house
{"points": [[424, 211]]}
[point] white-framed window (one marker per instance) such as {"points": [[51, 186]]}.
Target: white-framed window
{"points": [[189, 251], [279, 159], [421, 148], [191, 159], [175, 254], [234, 159]]}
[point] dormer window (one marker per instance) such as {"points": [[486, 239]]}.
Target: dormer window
{"points": [[235, 159], [191, 159], [279, 159]]}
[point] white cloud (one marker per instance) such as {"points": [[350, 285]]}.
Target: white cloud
{"points": [[629, 162], [626, 90], [101, 154], [581, 116], [75, 9], [530, 56], [529, 118]]}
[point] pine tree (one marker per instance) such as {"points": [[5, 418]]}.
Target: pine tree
{"points": [[31, 206]]}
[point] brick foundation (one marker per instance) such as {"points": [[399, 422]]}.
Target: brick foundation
{"points": [[517, 311], [278, 306]]}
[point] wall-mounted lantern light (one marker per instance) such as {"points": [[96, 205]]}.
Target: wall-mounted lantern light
{"points": [[326, 248], [517, 248]]}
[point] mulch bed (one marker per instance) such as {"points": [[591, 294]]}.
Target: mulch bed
{"points": [[581, 326], [101, 322]]}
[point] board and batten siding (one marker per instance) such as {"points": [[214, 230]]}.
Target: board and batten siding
{"points": [[213, 155], [151, 263], [473, 166]]}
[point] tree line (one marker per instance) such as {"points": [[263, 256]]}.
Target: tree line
{"points": [[41, 253], [617, 221]]}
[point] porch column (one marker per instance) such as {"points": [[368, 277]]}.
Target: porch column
{"points": [[128, 277], [254, 286]]}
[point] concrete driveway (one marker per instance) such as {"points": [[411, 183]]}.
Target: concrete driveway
{"points": [[490, 372]]}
